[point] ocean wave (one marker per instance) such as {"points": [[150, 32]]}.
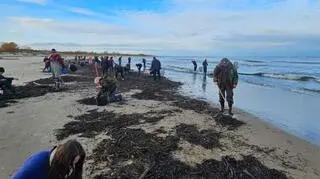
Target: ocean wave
{"points": [[254, 61], [283, 76], [299, 62]]}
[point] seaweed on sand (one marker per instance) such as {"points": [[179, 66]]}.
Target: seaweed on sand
{"points": [[132, 153]]}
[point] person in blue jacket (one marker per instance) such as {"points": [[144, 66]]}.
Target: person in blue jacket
{"points": [[62, 162]]}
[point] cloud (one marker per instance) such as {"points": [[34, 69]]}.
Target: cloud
{"points": [[199, 26], [41, 2], [82, 11]]}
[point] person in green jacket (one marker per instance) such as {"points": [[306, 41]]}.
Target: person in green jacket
{"points": [[107, 93], [225, 75]]}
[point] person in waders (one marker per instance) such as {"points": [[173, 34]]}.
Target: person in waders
{"points": [[64, 161], [226, 76], [205, 66], [155, 68], [57, 64]]}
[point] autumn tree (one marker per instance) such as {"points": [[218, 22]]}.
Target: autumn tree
{"points": [[8, 47]]}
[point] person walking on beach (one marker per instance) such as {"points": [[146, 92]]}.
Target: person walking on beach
{"points": [[155, 68], [62, 162], [205, 66], [194, 65], [226, 77], [56, 63]]}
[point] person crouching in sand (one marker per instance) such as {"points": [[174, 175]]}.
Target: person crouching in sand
{"points": [[56, 63], [6, 83], [226, 76], [107, 93], [64, 161]]}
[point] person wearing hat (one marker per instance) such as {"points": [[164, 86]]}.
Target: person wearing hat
{"points": [[56, 63]]}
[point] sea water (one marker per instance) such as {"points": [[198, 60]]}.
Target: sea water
{"points": [[285, 91]]}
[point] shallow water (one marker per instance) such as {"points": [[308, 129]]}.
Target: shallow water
{"points": [[286, 94]]}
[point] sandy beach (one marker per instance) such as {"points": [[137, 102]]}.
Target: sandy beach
{"points": [[154, 133]]}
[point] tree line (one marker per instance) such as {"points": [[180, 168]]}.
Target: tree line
{"points": [[12, 47]]}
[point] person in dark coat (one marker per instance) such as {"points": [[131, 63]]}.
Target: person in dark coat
{"points": [[205, 66], [225, 75], [139, 66], [105, 65], [194, 65], [155, 68], [6, 83], [144, 63]]}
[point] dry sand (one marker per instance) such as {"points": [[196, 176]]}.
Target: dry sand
{"points": [[31, 125]]}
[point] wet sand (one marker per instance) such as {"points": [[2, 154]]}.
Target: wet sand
{"points": [[154, 133]]}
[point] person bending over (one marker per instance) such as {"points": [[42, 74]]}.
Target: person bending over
{"points": [[139, 66], [107, 93], [64, 161]]}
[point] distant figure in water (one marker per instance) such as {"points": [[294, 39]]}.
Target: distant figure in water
{"points": [[144, 63], [205, 66], [62, 162], [129, 60], [139, 66], [155, 68], [226, 76], [120, 61], [194, 65], [57, 64]]}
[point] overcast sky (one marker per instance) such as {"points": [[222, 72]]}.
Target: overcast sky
{"points": [[166, 27]]}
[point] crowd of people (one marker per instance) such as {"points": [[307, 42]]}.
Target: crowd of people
{"points": [[66, 161]]}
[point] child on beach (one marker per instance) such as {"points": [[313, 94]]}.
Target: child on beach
{"points": [[62, 162]]}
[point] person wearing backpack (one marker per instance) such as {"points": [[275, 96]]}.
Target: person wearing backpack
{"points": [[225, 75]]}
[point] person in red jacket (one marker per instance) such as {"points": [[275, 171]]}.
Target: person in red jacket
{"points": [[57, 64]]}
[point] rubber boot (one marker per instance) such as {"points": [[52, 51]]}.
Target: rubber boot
{"points": [[230, 109], [222, 107]]}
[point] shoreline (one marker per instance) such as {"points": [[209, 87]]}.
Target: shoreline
{"points": [[157, 113]]}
